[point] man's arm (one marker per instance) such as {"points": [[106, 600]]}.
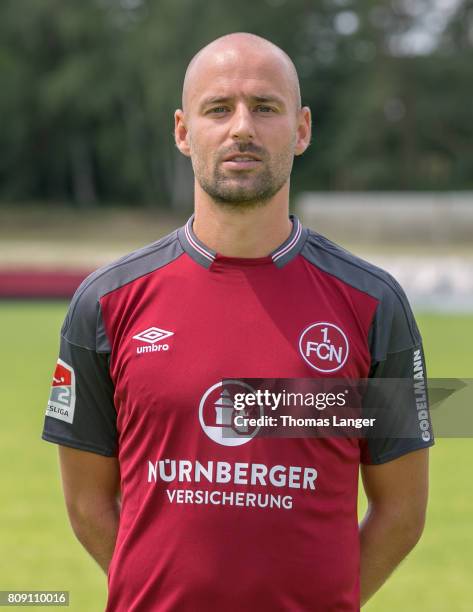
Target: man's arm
{"points": [[397, 499], [91, 485]]}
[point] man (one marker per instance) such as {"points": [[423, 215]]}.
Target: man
{"points": [[209, 521]]}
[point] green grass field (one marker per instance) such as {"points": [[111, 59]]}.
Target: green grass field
{"points": [[39, 551]]}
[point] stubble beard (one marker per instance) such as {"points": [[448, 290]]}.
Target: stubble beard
{"points": [[248, 190]]}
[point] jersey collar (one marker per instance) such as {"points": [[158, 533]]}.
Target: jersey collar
{"points": [[205, 256]]}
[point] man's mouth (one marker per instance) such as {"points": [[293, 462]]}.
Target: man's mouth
{"points": [[241, 161]]}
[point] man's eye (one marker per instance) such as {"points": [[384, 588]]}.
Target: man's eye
{"points": [[218, 109], [265, 109]]}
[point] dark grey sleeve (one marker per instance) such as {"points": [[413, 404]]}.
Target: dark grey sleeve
{"points": [[398, 377], [81, 411], [82, 414]]}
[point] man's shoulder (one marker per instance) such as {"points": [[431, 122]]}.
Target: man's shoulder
{"points": [[394, 326], [350, 268], [131, 266], [118, 273]]}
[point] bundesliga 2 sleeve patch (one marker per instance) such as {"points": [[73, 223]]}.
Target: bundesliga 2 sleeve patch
{"points": [[62, 400]]}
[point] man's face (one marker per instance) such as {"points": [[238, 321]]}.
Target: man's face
{"points": [[242, 116]]}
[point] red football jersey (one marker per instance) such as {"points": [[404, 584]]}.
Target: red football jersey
{"points": [[212, 521]]}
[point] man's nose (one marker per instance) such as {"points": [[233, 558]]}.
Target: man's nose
{"points": [[242, 127]]}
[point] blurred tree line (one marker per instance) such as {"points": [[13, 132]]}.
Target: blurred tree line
{"points": [[88, 91]]}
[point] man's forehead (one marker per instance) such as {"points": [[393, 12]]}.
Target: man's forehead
{"points": [[228, 87], [223, 69]]}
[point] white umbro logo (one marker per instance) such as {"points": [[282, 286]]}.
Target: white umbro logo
{"points": [[152, 336]]}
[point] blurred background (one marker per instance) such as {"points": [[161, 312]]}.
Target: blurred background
{"points": [[89, 171]]}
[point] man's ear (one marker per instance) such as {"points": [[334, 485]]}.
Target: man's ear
{"points": [[181, 135], [304, 131]]}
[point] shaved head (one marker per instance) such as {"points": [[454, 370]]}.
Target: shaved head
{"points": [[231, 48], [241, 121]]}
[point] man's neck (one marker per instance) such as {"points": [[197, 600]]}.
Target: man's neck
{"points": [[255, 232]]}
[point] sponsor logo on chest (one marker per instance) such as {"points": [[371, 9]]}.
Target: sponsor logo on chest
{"points": [[153, 339]]}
